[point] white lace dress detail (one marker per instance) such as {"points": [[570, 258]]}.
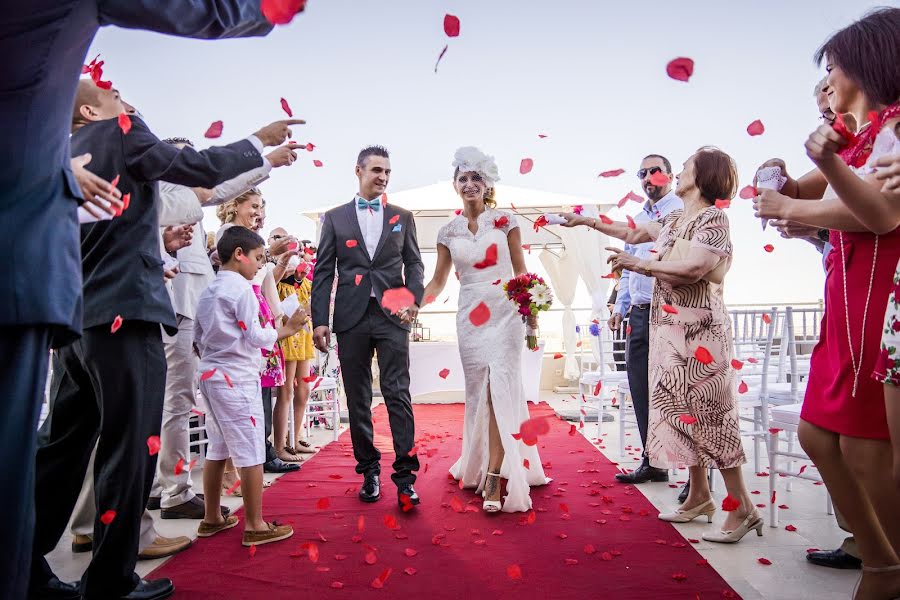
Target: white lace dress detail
{"points": [[491, 359]]}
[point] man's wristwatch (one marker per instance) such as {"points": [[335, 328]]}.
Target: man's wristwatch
{"points": [[823, 234]]}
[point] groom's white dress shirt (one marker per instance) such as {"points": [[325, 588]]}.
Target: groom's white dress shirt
{"points": [[371, 224]]}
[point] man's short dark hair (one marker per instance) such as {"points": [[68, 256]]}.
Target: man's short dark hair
{"points": [[371, 151], [237, 237], [664, 160], [179, 140]]}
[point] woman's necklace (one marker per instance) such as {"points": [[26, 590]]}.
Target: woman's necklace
{"points": [[857, 367]]}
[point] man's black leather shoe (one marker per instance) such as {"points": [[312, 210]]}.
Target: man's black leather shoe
{"points": [[371, 488], [683, 494], [835, 559], [155, 589], [407, 496], [643, 474], [54, 589], [276, 465]]}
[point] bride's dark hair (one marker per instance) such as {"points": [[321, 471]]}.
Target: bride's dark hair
{"points": [[489, 194]]}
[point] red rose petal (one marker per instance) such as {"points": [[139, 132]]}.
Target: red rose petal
{"points": [[631, 224], [514, 572], [722, 204], [116, 324], [490, 258], [790, 528], [598, 387], [242, 325], [323, 503], [286, 107], [410, 571], [736, 364], [764, 561], [124, 123], [703, 355], [451, 25], [769, 248], [214, 130], [480, 315], [317, 163], [748, 192], [207, 375], [440, 56], [361, 524], [605, 220], [501, 222], [572, 429], [108, 517], [612, 173], [525, 166], [680, 68], [444, 373], [179, 466], [228, 381], [659, 179], [153, 444], [358, 279], [589, 549], [393, 220], [730, 503], [766, 319], [668, 308], [687, 419], [756, 128], [396, 299], [310, 147], [679, 576], [281, 12], [371, 557], [743, 387], [230, 490], [526, 464], [337, 585]]}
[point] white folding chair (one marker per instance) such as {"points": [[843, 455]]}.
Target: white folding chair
{"points": [[606, 373], [323, 393]]}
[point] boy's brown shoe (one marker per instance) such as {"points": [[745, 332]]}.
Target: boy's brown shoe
{"points": [[275, 533], [210, 529]]}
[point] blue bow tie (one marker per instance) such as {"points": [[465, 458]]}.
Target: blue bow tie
{"points": [[370, 204]]}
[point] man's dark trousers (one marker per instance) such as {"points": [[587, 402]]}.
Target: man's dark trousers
{"points": [[637, 356]]}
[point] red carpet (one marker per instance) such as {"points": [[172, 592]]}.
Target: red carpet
{"points": [[588, 538]]}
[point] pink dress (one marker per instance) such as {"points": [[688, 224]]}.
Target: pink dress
{"points": [[273, 373]]}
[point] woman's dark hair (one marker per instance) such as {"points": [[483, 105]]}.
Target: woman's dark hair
{"points": [[868, 51], [715, 174], [237, 237]]}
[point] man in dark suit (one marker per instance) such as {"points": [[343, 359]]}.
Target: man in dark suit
{"points": [[373, 246], [44, 43], [113, 378]]}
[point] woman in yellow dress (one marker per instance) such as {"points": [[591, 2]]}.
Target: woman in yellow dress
{"points": [[290, 273]]}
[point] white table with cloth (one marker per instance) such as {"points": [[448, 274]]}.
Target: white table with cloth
{"points": [[428, 359]]}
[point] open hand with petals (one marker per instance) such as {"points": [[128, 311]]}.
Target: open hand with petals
{"points": [[99, 195], [574, 220], [888, 170], [769, 204], [619, 259], [823, 144]]}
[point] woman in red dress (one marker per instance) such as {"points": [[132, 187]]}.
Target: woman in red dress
{"points": [[843, 426]]}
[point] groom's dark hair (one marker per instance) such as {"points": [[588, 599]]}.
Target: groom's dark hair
{"points": [[371, 151]]}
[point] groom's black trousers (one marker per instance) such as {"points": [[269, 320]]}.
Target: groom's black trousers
{"points": [[375, 333]]}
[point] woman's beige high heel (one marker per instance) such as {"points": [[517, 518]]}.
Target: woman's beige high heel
{"points": [[708, 509], [490, 506], [751, 521]]}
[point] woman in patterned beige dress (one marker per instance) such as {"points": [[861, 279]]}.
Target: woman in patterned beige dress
{"points": [[693, 412]]}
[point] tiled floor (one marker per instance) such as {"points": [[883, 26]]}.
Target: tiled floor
{"points": [[788, 577]]}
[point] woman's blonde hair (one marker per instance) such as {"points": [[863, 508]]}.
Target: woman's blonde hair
{"points": [[227, 211]]}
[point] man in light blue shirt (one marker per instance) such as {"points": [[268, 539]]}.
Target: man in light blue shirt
{"points": [[635, 294]]}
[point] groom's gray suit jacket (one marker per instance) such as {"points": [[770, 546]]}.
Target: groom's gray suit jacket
{"points": [[396, 263]]}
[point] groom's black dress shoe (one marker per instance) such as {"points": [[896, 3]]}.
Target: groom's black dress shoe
{"points": [[836, 559], [407, 496], [276, 465], [371, 488], [54, 589], [155, 589], [643, 474]]}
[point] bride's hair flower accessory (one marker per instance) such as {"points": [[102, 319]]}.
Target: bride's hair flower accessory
{"points": [[470, 158]]}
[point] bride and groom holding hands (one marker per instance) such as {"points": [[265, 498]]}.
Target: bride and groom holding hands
{"points": [[371, 246]]}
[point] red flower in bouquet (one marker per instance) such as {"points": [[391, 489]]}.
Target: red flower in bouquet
{"points": [[530, 295]]}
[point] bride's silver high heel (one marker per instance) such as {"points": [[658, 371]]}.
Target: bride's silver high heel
{"points": [[490, 506]]}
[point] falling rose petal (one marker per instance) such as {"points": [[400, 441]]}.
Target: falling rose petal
{"points": [[378, 582], [153, 444], [839, 126], [451, 25], [242, 325], [598, 387], [668, 308], [501, 221], [631, 224], [525, 166], [393, 220], [317, 163], [358, 279], [214, 130], [557, 356], [514, 572], [531, 518], [480, 315], [747, 192], [179, 466], [769, 248], [722, 204], [763, 561], [252, 421], [396, 299], [207, 375], [124, 123], [612, 173], [228, 381], [605, 220], [440, 56], [743, 387], [526, 464], [752, 360], [108, 517], [542, 136], [323, 503], [736, 364], [286, 107], [730, 503], [608, 276], [766, 319], [444, 373], [490, 258], [310, 147], [802, 468], [703, 355], [790, 528], [281, 12], [572, 429], [235, 486], [680, 69], [659, 179], [783, 506], [687, 419], [589, 549], [116, 324], [756, 128], [541, 221], [772, 498]]}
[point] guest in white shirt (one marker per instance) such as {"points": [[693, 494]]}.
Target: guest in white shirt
{"points": [[229, 337]]}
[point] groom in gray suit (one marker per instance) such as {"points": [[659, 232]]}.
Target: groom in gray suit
{"points": [[372, 247]]}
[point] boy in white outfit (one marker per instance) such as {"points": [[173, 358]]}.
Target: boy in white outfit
{"points": [[228, 337]]}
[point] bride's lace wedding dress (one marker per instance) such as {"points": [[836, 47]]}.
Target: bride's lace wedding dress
{"points": [[491, 358]]}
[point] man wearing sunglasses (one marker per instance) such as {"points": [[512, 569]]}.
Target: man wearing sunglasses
{"points": [[635, 294]]}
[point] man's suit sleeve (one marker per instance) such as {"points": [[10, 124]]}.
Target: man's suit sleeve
{"points": [[150, 159], [205, 19], [413, 267], [323, 276]]}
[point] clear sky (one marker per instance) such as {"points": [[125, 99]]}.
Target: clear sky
{"points": [[588, 74]]}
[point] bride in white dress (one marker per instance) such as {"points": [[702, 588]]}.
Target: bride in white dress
{"points": [[490, 352]]}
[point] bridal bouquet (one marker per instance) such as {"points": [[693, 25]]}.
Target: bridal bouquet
{"points": [[531, 295]]}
